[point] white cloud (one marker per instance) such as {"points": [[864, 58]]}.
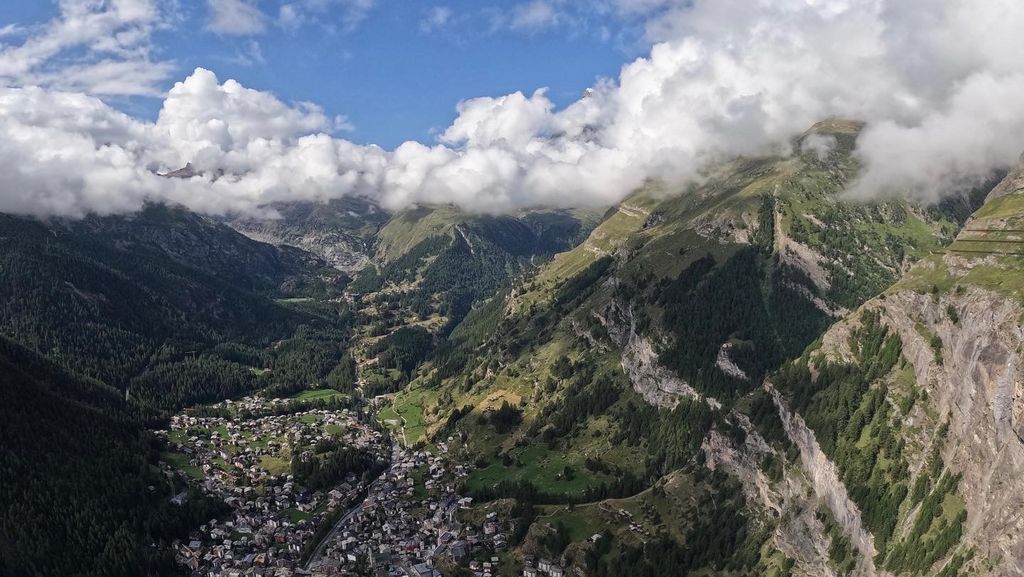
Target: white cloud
{"points": [[436, 19], [99, 47], [348, 13], [820, 145], [235, 17], [249, 54], [938, 81], [10, 30], [534, 15]]}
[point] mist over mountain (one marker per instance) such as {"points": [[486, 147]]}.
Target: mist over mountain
{"points": [[934, 80]]}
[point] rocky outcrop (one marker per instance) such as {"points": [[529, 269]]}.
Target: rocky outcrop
{"points": [[339, 250], [727, 366], [979, 385], [826, 483], [658, 385], [799, 256], [340, 231], [799, 534]]}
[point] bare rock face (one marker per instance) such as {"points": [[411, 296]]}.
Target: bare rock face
{"points": [[658, 385], [340, 231], [824, 479], [342, 251], [975, 384], [799, 534], [980, 386], [726, 365]]}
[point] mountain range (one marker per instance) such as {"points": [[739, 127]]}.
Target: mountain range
{"points": [[765, 375]]}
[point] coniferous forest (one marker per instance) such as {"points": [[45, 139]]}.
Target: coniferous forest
{"points": [[106, 310]]}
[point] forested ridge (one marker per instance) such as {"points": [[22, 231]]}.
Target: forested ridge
{"points": [[81, 492], [106, 327]]}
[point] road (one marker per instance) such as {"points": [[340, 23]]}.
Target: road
{"points": [[319, 551], [334, 531]]}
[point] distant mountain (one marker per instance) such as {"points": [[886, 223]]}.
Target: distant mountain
{"points": [[187, 171], [201, 243], [341, 231], [115, 297], [440, 260]]}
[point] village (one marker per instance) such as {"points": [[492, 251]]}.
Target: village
{"points": [[242, 455], [403, 522]]}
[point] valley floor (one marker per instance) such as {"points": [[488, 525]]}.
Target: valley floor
{"points": [[401, 516]]}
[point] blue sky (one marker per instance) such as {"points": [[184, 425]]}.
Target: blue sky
{"points": [[394, 72], [285, 96]]}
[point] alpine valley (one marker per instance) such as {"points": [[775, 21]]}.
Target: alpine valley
{"points": [[757, 374]]}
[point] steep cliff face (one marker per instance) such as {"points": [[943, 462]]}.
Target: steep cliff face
{"points": [[977, 389], [941, 425], [967, 358], [655, 383], [791, 501], [824, 479]]}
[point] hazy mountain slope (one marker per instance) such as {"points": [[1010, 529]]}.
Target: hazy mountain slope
{"points": [[341, 231], [201, 243], [116, 297], [439, 260]]}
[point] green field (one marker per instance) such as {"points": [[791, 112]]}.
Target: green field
{"points": [[407, 413], [294, 515], [275, 465], [181, 462], [317, 395], [581, 522], [538, 465]]}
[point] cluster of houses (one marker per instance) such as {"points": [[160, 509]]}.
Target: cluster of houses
{"points": [[246, 463], [408, 525], [534, 567]]}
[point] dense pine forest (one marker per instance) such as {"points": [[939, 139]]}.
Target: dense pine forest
{"points": [[81, 492], [111, 324]]}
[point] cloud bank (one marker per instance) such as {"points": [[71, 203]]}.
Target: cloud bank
{"points": [[938, 81]]}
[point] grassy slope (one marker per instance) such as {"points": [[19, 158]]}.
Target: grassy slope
{"points": [[514, 345], [408, 228], [679, 229], [974, 258]]}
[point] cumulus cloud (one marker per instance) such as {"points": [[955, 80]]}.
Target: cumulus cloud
{"points": [[937, 81], [99, 47]]}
